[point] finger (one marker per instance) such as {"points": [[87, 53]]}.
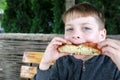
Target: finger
{"points": [[109, 51], [109, 42], [54, 44], [114, 40], [117, 42], [57, 43], [68, 42], [58, 39]]}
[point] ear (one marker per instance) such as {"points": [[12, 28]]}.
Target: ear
{"points": [[102, 35]]}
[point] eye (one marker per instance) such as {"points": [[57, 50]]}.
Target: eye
{"points": [[69, 29], [86, 28]]}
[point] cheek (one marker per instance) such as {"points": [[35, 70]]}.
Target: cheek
{"points": [[92, 38], [67, 37]]}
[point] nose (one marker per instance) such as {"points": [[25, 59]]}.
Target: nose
{"points": [[76, 35]]}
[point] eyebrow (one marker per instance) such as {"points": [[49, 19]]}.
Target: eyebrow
{"points": [[85, 23], [68, 24], [88, 24], [79, 24]]}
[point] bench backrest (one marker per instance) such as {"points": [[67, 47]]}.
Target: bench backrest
{"points": [[31, 59]]}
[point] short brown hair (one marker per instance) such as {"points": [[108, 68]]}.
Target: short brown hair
{"points": [[83, 10]]}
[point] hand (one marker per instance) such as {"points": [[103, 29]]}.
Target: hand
{"points": [[111, 48], [51, 53]]}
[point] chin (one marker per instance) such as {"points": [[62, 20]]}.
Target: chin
{"points": [[79, 56]]}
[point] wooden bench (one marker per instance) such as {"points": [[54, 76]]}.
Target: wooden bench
{"points": [[31, 60]]}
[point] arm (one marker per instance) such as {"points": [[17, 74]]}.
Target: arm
{"points": [[117, 76], [51, 73], [51, 54], [42, 74], [111, 48]]}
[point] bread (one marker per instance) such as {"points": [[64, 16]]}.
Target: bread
{"points": [[82, 49]]}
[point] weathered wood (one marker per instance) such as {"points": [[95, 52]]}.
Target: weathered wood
{"points": [[114, 36], [11, 53], [32, 57], [23, 36], [39, 37], [28, 72]]}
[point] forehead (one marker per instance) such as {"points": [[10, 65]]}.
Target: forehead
{"points": [[82, 20], [75, 15]]}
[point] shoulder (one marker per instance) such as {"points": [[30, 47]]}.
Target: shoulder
{"points": [[102, 59], [107, 62], [106, 59]]}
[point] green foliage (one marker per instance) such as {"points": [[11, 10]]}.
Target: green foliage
{"points": [[96, 3], [112, 14], [2, 4], [34, 16], [43, 16], [17, 16], [58, 9]]}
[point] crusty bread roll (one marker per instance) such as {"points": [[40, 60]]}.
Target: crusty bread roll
{"points": [[82, 49]]}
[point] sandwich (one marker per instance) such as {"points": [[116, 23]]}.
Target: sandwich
{"points": [[87, 48]]}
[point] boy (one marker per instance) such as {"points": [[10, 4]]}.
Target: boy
{"points": [[83, 23]]}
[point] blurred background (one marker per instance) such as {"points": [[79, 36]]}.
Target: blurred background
{"points": [[44, 16]]}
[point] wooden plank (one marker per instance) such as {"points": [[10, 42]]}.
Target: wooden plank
{"points": [[32, 57], [28, 71]]}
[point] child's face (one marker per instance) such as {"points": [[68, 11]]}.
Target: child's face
{"points": [[84, 29]]}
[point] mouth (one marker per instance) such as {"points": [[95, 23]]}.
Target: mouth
{"points": [[78, 43]]}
